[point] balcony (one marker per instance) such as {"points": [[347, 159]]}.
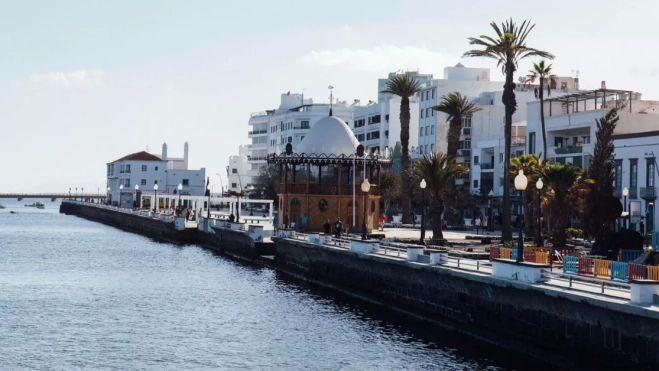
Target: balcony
{"points": [[649, 193], [253, 158], [489, 166], [568, 150], [257, 145], [464, 153], [462, 176], [264, 131], [518, 140]]}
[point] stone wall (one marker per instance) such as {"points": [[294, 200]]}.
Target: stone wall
{"points": [[553, 325]]}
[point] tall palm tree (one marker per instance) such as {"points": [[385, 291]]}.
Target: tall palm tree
{"points": [[508, 47], [543, 73], [456, 106], [439, 171], [532, 167], [404, 86], [569, 188]]}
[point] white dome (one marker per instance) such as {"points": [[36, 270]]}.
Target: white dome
{"points": [[329, 135]]}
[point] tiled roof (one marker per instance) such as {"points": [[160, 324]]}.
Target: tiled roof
{"points": [[140, 156]]}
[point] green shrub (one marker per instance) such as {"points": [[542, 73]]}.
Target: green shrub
{"points": [[573, 233]]}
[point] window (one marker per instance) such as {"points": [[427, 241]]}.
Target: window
{"points": [[432, 112], [466, 122], [126, 183], [143, 182], [234, 171], [475, 160], [633, 173], [386, 117], [432, 148], [156, 168], [532, 144], [433, 93], [128, 168], [302, 138], [420, 150], [290, 139], [375, 135], [426, 149], [422, 113], [650, 173], [432, 130], [143, 167], [155, 182], [464, 144], [427, 131], [618, 175], [475, 183], [386, 133], [185, 182], [304, 124], [233, 185], [428, 112], [500, 157]]}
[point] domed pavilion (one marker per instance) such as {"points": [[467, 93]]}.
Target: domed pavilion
{"points": [[324, 178]]}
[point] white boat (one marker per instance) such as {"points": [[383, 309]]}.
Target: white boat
{"points": [[36, 204], [2, 206], [41, 206], [13, 212]]}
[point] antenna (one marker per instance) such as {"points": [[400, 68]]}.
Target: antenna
{"points": [[331, 98]]}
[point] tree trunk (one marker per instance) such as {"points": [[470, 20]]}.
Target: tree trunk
{"points": [[542, 120], [436, 209], [453, 137], [510, 104], [405, 157], [559, 215], [529, 213]]}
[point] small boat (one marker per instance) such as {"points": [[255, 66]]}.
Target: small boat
{"points": [[36, 204], [2, 206], [13, 212], [41, 206]]}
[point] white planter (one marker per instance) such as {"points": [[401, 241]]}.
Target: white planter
{"points": [[413, 253], [437, 258]]}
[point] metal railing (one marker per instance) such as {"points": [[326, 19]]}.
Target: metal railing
{"points": [[486, 166], [649, 192], [586, 284]]}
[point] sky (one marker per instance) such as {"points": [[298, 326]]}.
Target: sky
{"points": [[83, 83]]}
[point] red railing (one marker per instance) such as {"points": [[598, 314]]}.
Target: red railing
{"points": [[495, 253], [529, 256], [585, 266], [637, 272]]}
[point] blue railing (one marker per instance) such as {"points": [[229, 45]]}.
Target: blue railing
{"points": [[631, 255], [570, 264], [513, 254], [618, 271]]}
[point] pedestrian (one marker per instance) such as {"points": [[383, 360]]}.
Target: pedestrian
{"points": [[477, 224], [275, 222], [485, 221], [413, 220], [293, 224], [338, 226], [303, 222], [383, 218]]}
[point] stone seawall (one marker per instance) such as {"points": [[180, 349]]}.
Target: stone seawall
{"points": [[553, 325]]}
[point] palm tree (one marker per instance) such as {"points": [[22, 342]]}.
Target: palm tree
{"points": [[568, 190], [404, 86], [439, 171], [456, 106], [543, 73], [508, 47], [533, 168]]}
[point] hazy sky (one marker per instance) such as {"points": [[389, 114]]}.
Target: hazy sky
{"points": [[85, 82]]}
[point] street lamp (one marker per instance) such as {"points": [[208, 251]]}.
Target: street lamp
{"points": [[423, 211], [520, 184], [538, 186], [70, 192], [251, 204], [648, 229], [366, 187], [137, 188], [625, 193], [180, 188], [155, 203], [106, 201], [490, 222], [121, 188], [82, 192], [75, 195], [238, 192]]}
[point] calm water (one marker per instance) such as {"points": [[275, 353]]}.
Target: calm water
{"points": [[80, 295]]}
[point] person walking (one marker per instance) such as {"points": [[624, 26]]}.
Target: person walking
{"points": [[485, 221], [477, 224], [338, 226], [383, 218], [303, 222]]}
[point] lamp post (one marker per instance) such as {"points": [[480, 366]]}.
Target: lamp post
{"points": [[121, 188], [180, 189], [423, 211], [208, 207], [625, 193], [490, 222], [109, 195], [538, 186], [238, 192], [155, 198], [648, 229], [366, 187], [251, 204], [70, 192], [75, 195], [520, 184], [137, 188], [82, 192]]}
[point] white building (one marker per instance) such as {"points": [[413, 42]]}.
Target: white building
{"points": [[271, 130], [636, 169], [239, 171], [144, 170]]}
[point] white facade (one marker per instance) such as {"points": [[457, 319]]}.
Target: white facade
{"points": [[239, 171], [144, 170], [636, 170]]}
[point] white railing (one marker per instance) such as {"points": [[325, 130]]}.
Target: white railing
{"points": [[586, 284]]}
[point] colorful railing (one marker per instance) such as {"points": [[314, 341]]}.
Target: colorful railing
{"points": [[506, 253], [513, 254], [601, 268], [618, 271], [495, 253], [637, 272], [570, 264], [653, 273], [585, 266], [542, 257]]}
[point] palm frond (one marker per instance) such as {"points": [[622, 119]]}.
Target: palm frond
{"points": [[404, 86]]}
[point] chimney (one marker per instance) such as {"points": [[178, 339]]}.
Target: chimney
{"points": [[164, 151], [185, 155], [603, 84]]}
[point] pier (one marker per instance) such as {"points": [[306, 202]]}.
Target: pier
{"points": [[55, 195]]}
